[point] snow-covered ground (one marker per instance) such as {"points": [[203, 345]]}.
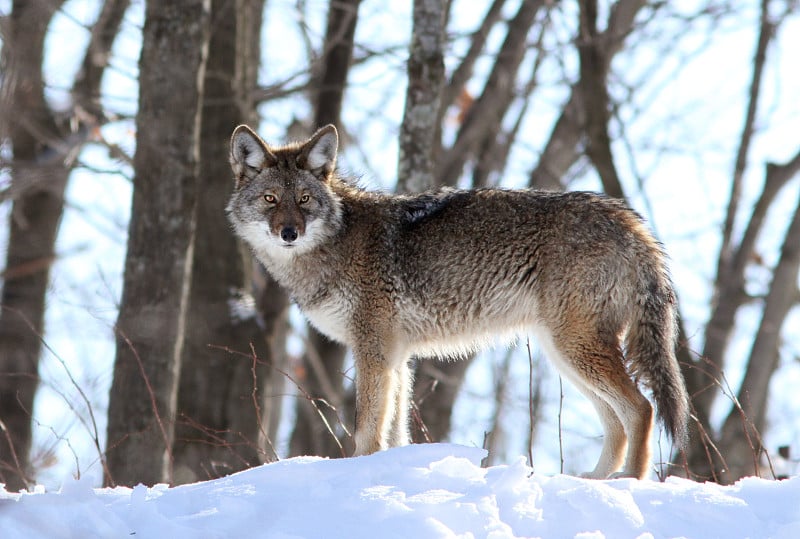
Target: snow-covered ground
{"points": [[420, 491]]}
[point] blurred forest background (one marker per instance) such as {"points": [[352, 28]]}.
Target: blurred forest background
{"points": [[140, 343]]}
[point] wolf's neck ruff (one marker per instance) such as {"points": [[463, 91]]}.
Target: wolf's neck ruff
{"points": [[447, 272]]}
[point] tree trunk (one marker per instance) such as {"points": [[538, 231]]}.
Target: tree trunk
{"points": [[40, 170], [152, 317], [34, 220], [335, 61], [272, 303], [740, 436], [735, 450], [323, 408], [593, 91], [423, 98], [437, 384], [436, 387], [221, 397]]}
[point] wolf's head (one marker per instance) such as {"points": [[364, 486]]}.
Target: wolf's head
{"points": [[282, 204]]}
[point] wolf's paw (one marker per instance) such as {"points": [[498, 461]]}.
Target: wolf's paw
{"points": [[624, 475], [593, 475], [367, 445]]}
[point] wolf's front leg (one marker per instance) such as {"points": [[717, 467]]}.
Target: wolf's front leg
{"points": [[399, 430], [375, 401]]}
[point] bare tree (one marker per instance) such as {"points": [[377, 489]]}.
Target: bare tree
{"points": [[152, 317], [593, 91], [563, 147], [736, 450], [415, 170], [740, 435], [576, 133], [45, 144], [483, 118], [222, 406]]}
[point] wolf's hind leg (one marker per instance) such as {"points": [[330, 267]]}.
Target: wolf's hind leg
{"points": [[633, 412], [636, 413], [614, 440], [597, 368], [614, 386]]}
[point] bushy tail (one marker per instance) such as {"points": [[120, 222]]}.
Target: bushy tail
{"points": [[651, 352]]}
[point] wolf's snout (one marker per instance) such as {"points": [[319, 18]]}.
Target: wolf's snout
{"points": [[289, 234]]}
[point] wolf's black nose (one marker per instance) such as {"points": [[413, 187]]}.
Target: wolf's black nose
{"points": [[289, 234]]}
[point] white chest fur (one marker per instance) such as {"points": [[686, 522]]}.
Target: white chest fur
{"points": [[331, 317]]}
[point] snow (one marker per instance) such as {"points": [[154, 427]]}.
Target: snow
{"points": [[419, 491]]}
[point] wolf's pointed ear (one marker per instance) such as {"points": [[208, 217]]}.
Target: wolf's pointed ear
{"points": [[318, 155], [248, 151]]}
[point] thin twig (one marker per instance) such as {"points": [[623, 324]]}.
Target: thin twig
{"points": [[93, 431], [531, 417], [18, 466], [308, 397], [417, 418], [256, 404], [560, 410]]}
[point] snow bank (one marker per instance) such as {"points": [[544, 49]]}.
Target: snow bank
{"points": [[420, 491]]}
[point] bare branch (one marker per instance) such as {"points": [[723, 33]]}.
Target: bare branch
{"points": [[562, 149], [593, 92], [33, 221], [498, 92], [766, 32], [335, 64], [493, 155], [780, 299], [729, 286], [464, 70], [86, 89]]}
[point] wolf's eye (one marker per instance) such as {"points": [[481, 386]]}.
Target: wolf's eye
{"points": [[270, 198], [304, 199]]}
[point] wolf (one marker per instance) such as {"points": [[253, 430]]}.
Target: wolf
{"points": [[444, 273]]}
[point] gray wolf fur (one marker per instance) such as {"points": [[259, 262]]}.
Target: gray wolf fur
{"points": [[443, 273]]}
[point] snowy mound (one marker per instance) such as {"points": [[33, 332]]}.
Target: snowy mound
{"points": [[420, 491]]}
